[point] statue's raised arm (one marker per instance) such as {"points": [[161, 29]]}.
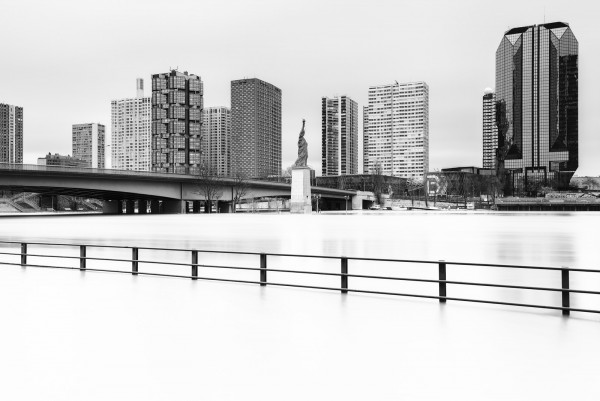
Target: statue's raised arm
{"points": [[302, 149]]}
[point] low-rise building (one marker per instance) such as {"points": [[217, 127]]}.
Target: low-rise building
{"points": [[60, 160]]}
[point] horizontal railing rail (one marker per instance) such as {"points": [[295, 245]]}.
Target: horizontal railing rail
{"points": [[344, 275]]}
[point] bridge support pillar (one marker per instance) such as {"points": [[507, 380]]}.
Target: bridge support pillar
{"points": [[120, 206], [154, 207], [142, 206], [172, 206], [196, 206], [224, 207], [129, 206], [110, 206]]}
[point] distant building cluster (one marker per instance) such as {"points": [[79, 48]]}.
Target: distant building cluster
{"points": [[529, 133]]}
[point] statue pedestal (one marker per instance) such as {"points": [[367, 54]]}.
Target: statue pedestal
{"points": [[300, 201]]}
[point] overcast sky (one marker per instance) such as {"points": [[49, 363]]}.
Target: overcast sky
{"points": [[64, 61]]}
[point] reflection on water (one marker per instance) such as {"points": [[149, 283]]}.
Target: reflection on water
{"points": [[539, 239], [527, 238], [156, 339]]}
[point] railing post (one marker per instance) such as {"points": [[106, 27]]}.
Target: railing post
{"points": [[194, 265], [566, 301], [23, 255], [82, 259], [134, 261], [442, 278], [344, 275], [263, 269]]}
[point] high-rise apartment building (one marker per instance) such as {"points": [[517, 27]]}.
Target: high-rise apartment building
{"points": [[365, 139], [11, 134], [339, 136], [255, 128], [130, 132], [397, 130], [537, 105], [88, 144], [177, 100], [490, 130], [216, 137]]}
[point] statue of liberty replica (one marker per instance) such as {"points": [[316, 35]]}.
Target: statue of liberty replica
{"points": [[300, 200], [302, 149]]}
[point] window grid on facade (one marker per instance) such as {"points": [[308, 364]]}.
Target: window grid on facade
{"points": [[177, 102], [396, 130]]}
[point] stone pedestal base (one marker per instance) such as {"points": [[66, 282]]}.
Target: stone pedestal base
{"points": [[300, 201]]}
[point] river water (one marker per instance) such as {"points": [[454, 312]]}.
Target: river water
{"points": [[71, 335]]}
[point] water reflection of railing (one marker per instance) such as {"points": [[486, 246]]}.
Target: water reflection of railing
{"points": [[344, 275]]}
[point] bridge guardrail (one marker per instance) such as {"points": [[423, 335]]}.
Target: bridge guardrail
{"points": [[344, 274]]}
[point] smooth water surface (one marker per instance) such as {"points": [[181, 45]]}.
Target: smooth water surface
{"points": [[70, 335]]}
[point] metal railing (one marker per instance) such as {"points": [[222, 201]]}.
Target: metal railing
{"points": [[344, 273]]}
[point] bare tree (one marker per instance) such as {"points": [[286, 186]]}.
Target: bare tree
{"points": [[240, 188], [208, 185], [378, 182]]}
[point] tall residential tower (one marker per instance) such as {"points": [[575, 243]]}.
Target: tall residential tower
{"points": [[339, 136], [216, 140], [88, 144], [11, 134], [537, 105], [397, 130], [177, 100], [490, 130], [130, 133], [255, 128]]}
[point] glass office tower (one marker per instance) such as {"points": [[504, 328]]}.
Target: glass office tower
{"points": [[537, 107]]}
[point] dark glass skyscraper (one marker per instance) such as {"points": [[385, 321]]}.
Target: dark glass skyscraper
{"points": [[537, 106], [176, 122]]}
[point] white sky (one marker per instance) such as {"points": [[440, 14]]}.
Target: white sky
{"points": [[64, 61]]}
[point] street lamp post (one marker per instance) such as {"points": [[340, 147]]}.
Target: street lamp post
{"points": [[346, 202]]}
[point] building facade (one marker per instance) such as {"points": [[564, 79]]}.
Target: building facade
{"points": [[88, 144], [365, 139], [60, 161], [397, 130], [11, 134], [537, 106], [130, 132], [177, 101], [339, 136], [255, 128], [490, 130], [216, 140]]}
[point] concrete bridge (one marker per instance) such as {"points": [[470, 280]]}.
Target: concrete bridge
{"points": [[155, 192]]}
